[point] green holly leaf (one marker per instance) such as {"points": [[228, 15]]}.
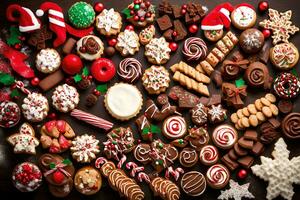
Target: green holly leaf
{"points": [[126, 12], [77, 78], [6, 79], [294, 72], [14, 93], [102, 88], [145, 130], [66, 162], [52, 165], [239, 83], [14, 36], [85, 71], [155, 129]]}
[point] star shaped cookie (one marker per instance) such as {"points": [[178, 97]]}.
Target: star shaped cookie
{"points": [[236, 191], [25, 141], [280, 24], [281, 172]]}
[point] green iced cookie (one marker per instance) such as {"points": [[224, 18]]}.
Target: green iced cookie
{"points": [[81, 15]]}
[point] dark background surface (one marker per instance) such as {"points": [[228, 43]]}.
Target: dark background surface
{"points": [[8, 159]]}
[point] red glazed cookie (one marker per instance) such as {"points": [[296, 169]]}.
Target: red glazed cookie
{"points": [[56, 135]]}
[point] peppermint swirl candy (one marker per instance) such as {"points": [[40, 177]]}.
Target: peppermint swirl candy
{"points": [[130, 70], [188, 157], [291, 125], [217, 176], [209, 155], [194, 49], [174, 127], [286, 85], [224, 136]]}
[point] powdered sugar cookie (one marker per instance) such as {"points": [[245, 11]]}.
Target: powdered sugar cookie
{"points": [[65, 98], [35, 107], [47, 60]]}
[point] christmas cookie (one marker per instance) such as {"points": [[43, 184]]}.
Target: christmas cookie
{"points": [[156, 79], [194, 49], [284, 56], [174, 127], [217, 176], [287, 85], [197, 138], [141, 153], [165, 189], [10, 114], [90, 47], [147, 34], [58, 173], [123, 101], [26, 177], [81, 15], [158, 51], [209, 155], [291, 125], [213, 35], [199, 114], [109, 22], [84, 148], [65, 98], [188, 157], [224, 136], [128, 43], [140, 13], [87, 180], [24, 141], [56, 135], [35, 107], [243, 16], [193, 183], [47, 60], [130, 70], [216, 114], [251, 40]]}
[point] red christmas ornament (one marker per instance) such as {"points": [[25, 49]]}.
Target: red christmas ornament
{"points": [[58, 177], [96, 92], [103, 69], [129, 27], [35, 81], [266, 33], [173, 46], [183, 11], [174, 34], [17, 46], [263, 6], [98, 7], [242, 174], [193, 28], [72, 64], [136, 18], [112, 42], [184, 6]]}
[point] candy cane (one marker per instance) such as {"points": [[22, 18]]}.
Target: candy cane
{"points": [[175, 173], [142, 176], [122, 161], [20, 85], [100, 161]]}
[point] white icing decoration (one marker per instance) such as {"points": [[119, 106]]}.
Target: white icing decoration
{"points": [[128, 41], [158, 49], [65, 98], [48, 60], [156, 78], [236, 192], [244, 16], [124, 100], [252, 40], [35, 107], [216, 112], [108, 19]]}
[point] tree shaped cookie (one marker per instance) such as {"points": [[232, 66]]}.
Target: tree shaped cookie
{"points": [[24, 141], [280, 24]]}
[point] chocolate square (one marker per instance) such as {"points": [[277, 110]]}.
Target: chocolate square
{"points": [[164, 22]]}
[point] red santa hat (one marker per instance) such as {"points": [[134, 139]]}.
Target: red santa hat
{"points": [[26, 18], [56, 20], [218, 17]]}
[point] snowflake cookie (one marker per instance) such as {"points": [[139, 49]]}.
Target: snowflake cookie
{"points": [[236, 192], [158, 51], [128, 43]]}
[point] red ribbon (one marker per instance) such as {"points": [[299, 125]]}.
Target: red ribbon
{"points": [[16, 59]]}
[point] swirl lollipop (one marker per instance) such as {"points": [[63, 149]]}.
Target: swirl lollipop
{"points": [[209, 155], [130, 70], [194, 49]]}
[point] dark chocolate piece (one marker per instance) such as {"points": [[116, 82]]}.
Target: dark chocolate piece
{"points": [[275, 123], [269, 132], [91, 100], [247, 144], [164, 22], [165, 8], [215, 99], [204, 100], [246, 161], [258, 148], [231, 164], [232, 154], [168, 34], [109, 51], [176, 11], [69, 45], [194, 13], [250, 135], [184, 98], [257, 75], [180, 29], [240, 151], [216, 77], [264, 54], [142, 123], [285, 106], [291, 125], [51, 80]]}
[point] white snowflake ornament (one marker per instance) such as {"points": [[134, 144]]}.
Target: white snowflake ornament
{"points": [[281, 172], [236, 191]]}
